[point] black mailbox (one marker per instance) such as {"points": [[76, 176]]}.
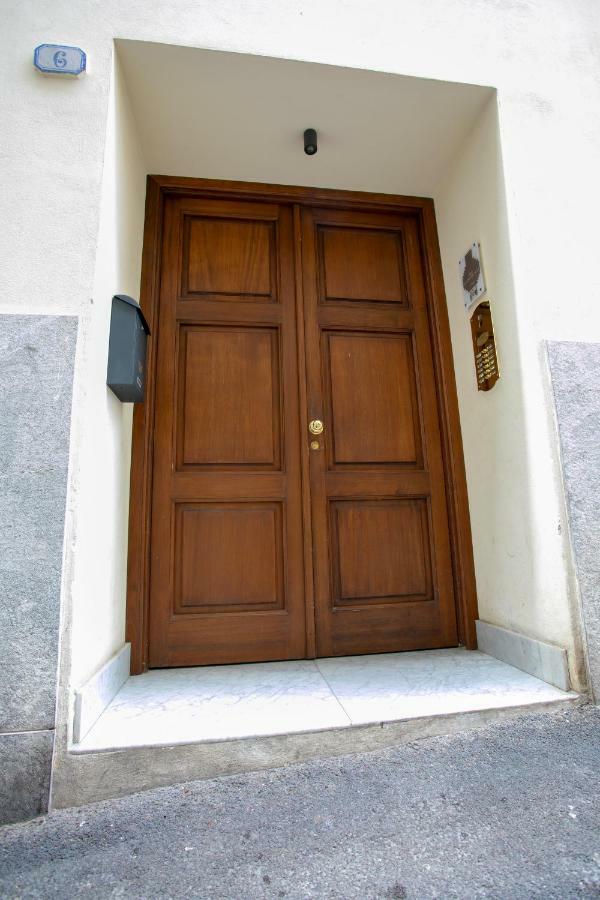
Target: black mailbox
{"points": [[126, 371]]}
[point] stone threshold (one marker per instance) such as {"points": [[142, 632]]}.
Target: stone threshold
{"points": [[174, 725], [169, 726], [167, 707]]}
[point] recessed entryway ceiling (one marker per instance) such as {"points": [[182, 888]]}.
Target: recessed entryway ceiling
{"points": [[211, 114]]}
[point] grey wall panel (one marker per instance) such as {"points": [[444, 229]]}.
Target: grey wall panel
{"points": [[36, 377], [25, 763], [575, 369]]}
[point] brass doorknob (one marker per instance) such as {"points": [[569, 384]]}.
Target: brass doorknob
{"points": [[316, 426]]}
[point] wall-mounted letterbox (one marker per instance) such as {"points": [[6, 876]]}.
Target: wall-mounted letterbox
{"points": [[126, 371]]}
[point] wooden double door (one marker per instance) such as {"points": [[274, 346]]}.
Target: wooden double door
{"points": [[271, 538]]}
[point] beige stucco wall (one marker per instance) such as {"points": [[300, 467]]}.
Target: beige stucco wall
{"points": [[62, 199], [102, 425], [520, 537]]}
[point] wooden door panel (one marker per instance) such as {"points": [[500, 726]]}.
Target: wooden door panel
{"points": [[358, 278], [370, 568], [373, 406], [229, 397], [228, 557], [211, 241], [383, 577], [227, 567]]}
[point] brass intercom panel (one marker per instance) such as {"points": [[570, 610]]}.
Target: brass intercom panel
{"points": [[484, 347]]}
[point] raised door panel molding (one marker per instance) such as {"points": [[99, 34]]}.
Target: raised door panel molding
{"points": [[209, 246], [374, 399], [368, 567], [348, 270], [228, 558], [229, 397]]}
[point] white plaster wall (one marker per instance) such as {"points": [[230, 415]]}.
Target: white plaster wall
{"points": [[101, 477], [517, 515], [240, 116], [541, 55]]}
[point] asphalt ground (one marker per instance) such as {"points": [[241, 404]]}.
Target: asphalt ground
{"points": [[510, 811]]}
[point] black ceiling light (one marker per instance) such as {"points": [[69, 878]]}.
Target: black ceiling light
{"points": [[310, 141]]}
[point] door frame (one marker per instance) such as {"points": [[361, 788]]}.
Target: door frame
{"points": [[159, 187]]}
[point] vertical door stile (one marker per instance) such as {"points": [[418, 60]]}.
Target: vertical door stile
{"points": [[311, 648]]}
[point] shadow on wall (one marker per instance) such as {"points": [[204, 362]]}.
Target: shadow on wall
{"points": [[100, 553], [471, 205]]}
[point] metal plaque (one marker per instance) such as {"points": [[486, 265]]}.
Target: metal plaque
{"points": [[471, 274]]}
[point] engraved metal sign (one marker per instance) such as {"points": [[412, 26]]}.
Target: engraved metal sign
{"points": [[471, 274], [58, 59]]}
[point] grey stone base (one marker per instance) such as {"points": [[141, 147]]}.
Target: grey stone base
{"points": [[37, 356], [36, 379], [575, 370], [25, 762], [544, 661]]}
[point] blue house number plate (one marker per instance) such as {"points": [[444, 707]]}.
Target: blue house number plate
{"points": [[59, 60]]}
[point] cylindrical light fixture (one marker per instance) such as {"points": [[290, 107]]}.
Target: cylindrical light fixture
{"points": [[310, 141]]}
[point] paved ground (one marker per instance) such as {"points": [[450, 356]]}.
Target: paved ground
{"points": [[509, 812]]}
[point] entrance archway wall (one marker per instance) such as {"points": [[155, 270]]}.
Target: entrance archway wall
{"points": [[100, 479], [96, 625], [518, 528], [518, 519]]}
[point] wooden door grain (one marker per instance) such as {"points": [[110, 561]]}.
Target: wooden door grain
{"points": [[383, 573], [251, 538], [226, 575]]}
